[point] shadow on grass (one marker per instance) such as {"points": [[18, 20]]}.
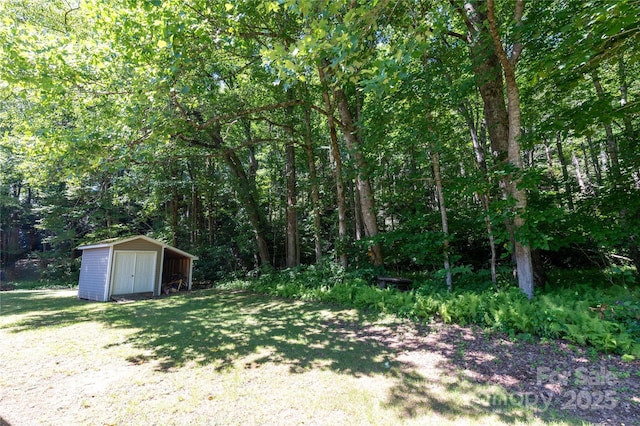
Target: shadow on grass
{"points": [[245, 330]]}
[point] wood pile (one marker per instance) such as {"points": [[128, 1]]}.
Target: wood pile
{"points": [[178, 283]]}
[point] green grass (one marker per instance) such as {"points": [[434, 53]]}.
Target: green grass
{"points": [[229, 357], [38, 284]]}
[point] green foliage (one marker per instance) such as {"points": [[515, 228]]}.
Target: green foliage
{"points": [[413, 245], [62, 271], [604, 317]]}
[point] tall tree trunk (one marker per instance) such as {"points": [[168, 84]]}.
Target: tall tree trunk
{"points": [[435, 158], [593, 150], [343, 237], [565, 172], [193, 210], [481, 163], [363, 184], [612, 148], [253, 161], [585, 159], [576, 166], [315, 192], [622, 77], [293, 244], [246, 193], [503, 120], [292, 253], [174, 213], [357, 211], [522, 252]]}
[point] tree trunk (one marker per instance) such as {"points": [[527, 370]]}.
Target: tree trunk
{"points": [[435, 158], [367, 204], [593, 151], [357, 211], [292, 254], [587, 172], [292, 248], [253, 161], [174, 215], [622, 76], [247, 195], [576, 166], [315, 192], [343, 238], [612, 149], [523, 252], [565, 172], [503, 120], [481, 163]]}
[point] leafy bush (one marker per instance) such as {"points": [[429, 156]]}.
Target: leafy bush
{"points": [[60, 271]]}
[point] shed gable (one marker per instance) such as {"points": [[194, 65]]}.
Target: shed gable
{"points": [[138, 244]]}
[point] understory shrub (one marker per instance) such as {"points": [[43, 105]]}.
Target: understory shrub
{"points": [[605, 317]]}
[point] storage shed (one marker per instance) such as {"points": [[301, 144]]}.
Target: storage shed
{"points": [[132, 265]]}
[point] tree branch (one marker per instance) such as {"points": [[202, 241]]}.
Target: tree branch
{"points": [[249, 111], [518, 46], [196, 142], [493, 30], [66, 15], [463, 14], [457, 35], [182, 111]]}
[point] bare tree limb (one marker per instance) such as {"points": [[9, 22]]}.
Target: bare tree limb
{"points": [[66, 15]]}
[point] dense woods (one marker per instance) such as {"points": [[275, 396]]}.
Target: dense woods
{"points": [[494, 139]]}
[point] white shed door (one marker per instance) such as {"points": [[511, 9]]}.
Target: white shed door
{"points": [[133, 272]]}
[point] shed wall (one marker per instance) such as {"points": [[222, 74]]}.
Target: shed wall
{"points": [[94, 270]]}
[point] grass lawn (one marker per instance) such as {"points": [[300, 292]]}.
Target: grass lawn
{"points": [[228, 358]]}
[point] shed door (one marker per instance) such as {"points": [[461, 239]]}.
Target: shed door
{"points": [[134, 272]]}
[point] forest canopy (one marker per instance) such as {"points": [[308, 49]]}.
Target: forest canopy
{"points": [[448, 138]]}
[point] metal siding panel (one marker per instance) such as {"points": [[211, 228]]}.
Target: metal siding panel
{"points": [[93, 274]]}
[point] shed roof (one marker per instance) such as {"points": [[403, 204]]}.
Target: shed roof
{"points": [[114, 241]]}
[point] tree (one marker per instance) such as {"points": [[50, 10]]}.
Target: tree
{"points": [[491, 65]]}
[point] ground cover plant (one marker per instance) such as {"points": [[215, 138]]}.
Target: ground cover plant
{"points": [[236, 357], [587, 308]]}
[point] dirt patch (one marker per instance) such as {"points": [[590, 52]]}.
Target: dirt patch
{"points": [[555, 379]]}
